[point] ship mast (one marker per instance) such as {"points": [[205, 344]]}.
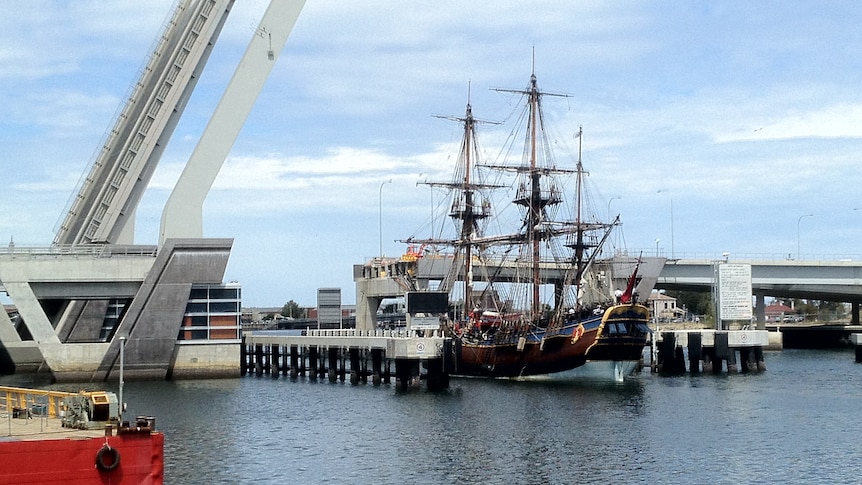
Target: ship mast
{"points": [[531, 197], [579, 227], [467, 208], [579, 241], [468, 219], [535, 205]]}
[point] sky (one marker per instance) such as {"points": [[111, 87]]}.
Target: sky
{"points": [[710, 127]]}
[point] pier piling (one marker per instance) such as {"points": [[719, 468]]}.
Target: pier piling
{"points": [[258, 360], [856, 339], [376, 365], [758, 359], [695, 352], [709, 351], [315, 364], [333, 354], [294, 361]]}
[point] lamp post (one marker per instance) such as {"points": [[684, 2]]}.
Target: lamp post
{"points": [[798, 221], [609, 205], [380, 206], [122, 364], [656, 247], [671, 221], [432, 201]]}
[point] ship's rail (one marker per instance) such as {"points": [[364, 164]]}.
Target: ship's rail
{"points": [[31, 401]]}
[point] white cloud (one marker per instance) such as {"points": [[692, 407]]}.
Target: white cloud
{"points": [[835, 121]]}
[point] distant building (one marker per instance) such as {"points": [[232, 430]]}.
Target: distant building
{"points": [[261, 314], [777, 312], [329, 313], [662, 307]]}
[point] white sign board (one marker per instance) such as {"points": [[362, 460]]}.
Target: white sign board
{"points": [[734, 291], [428, 323]]}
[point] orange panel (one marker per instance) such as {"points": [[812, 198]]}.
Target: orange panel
{"points": [[219, 334], [223, 321]]}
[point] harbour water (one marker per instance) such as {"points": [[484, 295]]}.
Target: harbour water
{"points": [[797, 422]]}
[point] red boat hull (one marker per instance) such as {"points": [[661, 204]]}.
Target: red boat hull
{"points": [[75, 460]]}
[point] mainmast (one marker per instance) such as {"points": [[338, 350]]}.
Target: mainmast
{"points": [[532, 197], [535, 207]]}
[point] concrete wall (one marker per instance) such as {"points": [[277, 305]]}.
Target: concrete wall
{"points": [[209, 360]]}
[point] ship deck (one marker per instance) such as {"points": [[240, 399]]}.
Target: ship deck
{"points": [[35, 427]]}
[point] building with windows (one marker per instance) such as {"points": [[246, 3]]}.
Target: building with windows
{"points": [[212, 314], [662, 307]]}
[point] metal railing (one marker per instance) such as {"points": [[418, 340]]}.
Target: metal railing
{"points": [[32, 401], [94, 250], [734, 256]]}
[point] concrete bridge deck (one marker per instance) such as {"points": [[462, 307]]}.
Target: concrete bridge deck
{"points": [[833, 280]]}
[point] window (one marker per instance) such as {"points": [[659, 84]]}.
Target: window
{"points": [[213, 313]]}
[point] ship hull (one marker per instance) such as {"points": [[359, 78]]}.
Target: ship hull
{"points": [[77, 460], [609, 345], [605, 370]]}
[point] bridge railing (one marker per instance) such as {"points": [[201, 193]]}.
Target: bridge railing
{"points": [[95, 250], [733, 256]]}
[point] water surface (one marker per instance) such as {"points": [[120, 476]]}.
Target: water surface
{"points": [[796, 422]]}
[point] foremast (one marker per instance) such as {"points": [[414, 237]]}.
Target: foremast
{"points": [[468, 210]]}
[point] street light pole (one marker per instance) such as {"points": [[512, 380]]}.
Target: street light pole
{"points": [[656, 247], [380, 206], [122, 364], [672, 252], [671, 221], [798, 221]]}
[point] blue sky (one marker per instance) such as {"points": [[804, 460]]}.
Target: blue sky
{"points": [[741, 116]]}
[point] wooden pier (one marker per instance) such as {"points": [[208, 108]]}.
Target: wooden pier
{"points": [[416, 355], [708, 351]]}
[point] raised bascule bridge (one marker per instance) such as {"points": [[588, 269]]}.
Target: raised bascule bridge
{"points": [[93, 290]]}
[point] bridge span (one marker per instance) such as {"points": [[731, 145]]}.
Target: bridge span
{"points": [[815, 280]]}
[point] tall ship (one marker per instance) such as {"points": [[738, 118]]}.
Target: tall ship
{"points": [[531, 289]]}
